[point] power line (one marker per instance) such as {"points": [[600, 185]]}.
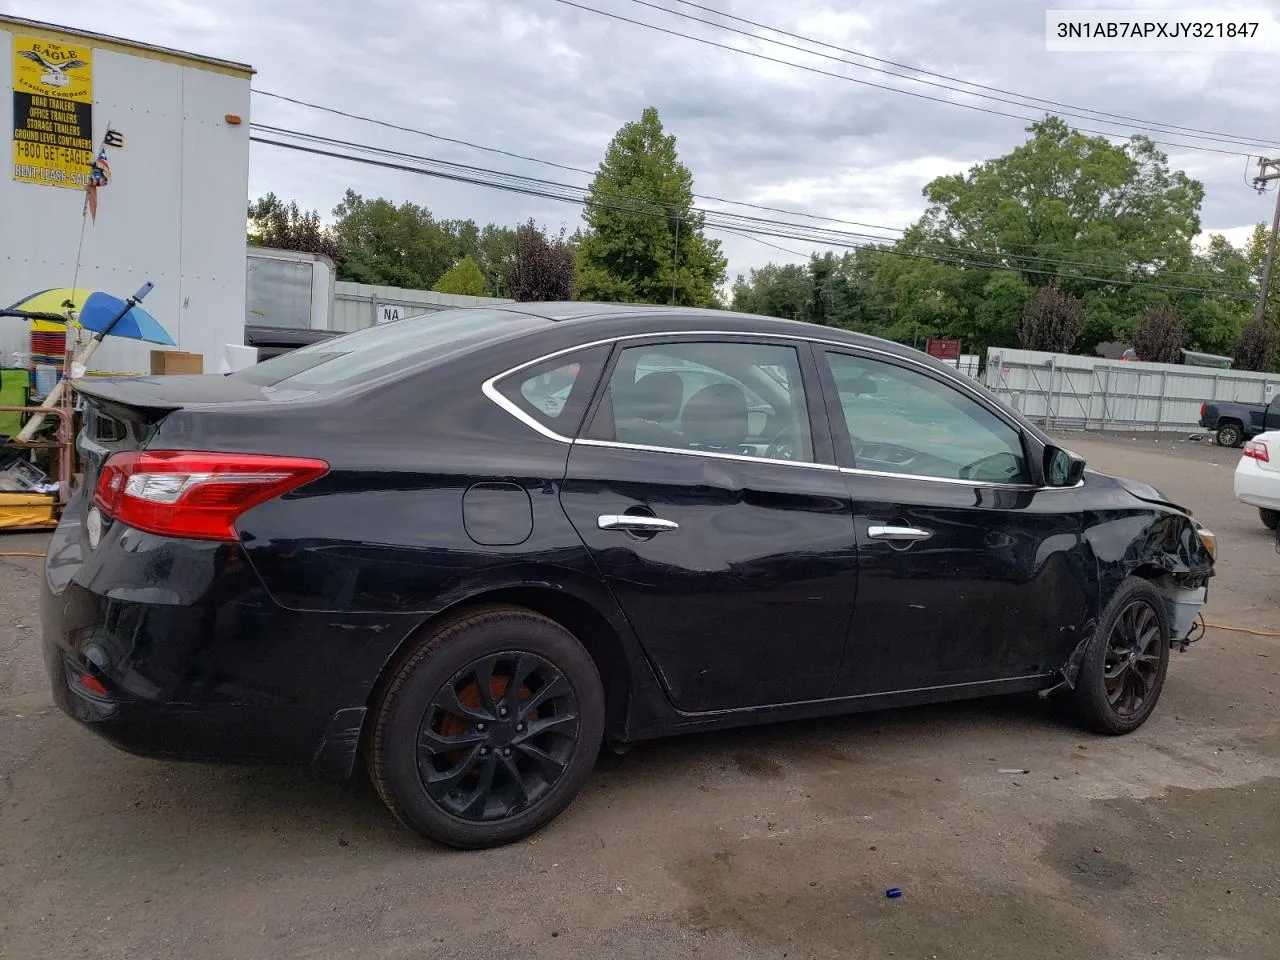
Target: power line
{"points": [[720, 218], [870, 83], [501, 180], [1098, 114], [551, 189], [551, 163], [363, 118]]}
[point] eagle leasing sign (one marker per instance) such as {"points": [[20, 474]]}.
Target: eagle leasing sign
{"points": [[52, 112]]}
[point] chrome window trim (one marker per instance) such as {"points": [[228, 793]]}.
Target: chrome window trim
{"points": [[490, 389]]}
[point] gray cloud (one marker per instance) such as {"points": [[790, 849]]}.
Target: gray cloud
{"points": [[541, 78]]}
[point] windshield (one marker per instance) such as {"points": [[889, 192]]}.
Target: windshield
{"points": [[367, 352]]}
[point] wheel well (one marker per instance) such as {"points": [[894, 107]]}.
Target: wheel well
{"points": [[1148, 571], [1230, 422], [577, 616]]}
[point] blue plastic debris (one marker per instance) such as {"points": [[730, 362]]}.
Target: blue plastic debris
{"points": [[893, 893]]}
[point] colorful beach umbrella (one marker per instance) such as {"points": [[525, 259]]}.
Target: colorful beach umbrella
{"points": [[95, 311]]}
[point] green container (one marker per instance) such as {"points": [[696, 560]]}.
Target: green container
{"points": [[14, 384]]}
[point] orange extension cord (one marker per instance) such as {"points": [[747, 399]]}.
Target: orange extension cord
{"points": [[1211, 626], [1256, 633]]}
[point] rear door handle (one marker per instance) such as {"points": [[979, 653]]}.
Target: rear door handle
{"points": [[879, 532], [635, 523]]}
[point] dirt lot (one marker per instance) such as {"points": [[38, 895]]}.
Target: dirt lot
{"points": [[775, 842]]}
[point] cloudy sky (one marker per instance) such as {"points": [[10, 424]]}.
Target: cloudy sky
{"points": [[544, 79]]}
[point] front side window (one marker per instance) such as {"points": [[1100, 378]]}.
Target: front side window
{"points": [[903, 421], [745, 399]]}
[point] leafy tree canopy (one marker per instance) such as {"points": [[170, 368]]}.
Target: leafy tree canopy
{"points": [[643, 241], [462, 278]]}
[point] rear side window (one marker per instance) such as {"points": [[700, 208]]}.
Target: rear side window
{"points": [[556, 392], [371, 351]]}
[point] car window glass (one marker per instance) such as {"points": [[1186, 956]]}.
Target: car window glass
{"points": [[556, 392], [373, 350], [740, 398], [904, 421]]}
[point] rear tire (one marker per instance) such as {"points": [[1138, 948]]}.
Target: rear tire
{"points": [[488, 730], [1124, 666], [1230, 435], [1270, 518]]}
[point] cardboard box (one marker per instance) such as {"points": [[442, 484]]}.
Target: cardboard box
{"points": [[175, 362]]}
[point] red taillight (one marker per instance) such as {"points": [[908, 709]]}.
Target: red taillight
{"points": [[196, 496], [92, 684], [1257, 450], [1203, 408]]}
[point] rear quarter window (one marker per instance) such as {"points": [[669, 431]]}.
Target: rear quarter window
{"points": [[555, 392]]}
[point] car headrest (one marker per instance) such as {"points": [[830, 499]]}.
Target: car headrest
{"points": [[716, 417]]}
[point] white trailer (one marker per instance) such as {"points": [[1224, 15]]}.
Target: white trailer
{"points": [[173, 211]]}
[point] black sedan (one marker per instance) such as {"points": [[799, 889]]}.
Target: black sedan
{"points": [[468, 549]]}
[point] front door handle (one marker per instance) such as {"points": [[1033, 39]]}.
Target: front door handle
{"points": [[634, 523], [879, 532]]}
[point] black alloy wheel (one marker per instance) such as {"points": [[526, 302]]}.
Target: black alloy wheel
{"points": [[1125, 662], [497, 736], [1132, 663], [488, 728], [1230, 435]]}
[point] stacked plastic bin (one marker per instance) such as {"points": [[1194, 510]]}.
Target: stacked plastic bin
{"points": [[48, 354]]}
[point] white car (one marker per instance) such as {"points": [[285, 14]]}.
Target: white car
{"points": [[1258, 476]]}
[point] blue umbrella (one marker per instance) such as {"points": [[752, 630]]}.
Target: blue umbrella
{"points": [[102, 313]]}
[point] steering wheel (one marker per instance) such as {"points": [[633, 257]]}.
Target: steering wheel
{"points": [[782, 446]]}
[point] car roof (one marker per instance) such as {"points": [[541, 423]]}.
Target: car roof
{"points": [[608, 319]]}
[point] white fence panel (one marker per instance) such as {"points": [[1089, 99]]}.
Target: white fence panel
{"points": [[1074, 392]]}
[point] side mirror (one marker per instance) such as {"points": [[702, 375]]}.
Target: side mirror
{"points": [[1062, 468]]}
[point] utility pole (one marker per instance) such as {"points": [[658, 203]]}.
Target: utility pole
{"points": [[1268, 170], [675, 269]]}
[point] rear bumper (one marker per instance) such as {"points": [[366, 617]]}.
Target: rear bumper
{"points": [[1256, 486], [188, 657]]}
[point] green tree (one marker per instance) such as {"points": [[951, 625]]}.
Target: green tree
{"points": [[463, 278], [1258, 342], [491, 247], [644, 242], [1062, 200], [774, 291], [400, 246], [1213, 323], [283, 226]]}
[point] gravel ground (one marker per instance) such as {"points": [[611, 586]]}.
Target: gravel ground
{"points": [[773, 842]]}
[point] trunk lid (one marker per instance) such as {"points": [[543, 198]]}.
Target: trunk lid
{"points": [[124, 414]]}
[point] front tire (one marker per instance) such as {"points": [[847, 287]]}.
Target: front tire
{"points": [[488, 730], [1270, 518], [1230, 435], [1124, 666]]}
